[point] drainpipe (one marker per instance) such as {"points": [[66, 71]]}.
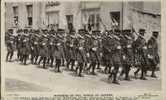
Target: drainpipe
{"points": [[122, 15]]}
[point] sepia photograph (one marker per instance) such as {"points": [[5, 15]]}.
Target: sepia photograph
{"points": [[81, 46]]}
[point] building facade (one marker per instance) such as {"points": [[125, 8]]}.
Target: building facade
{"points": [[83, 14]]}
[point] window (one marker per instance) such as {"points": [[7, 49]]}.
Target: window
{"points": [[15, 17], [94, 21], [69, 21], [115, 17], [53, 18], [30, 14]]}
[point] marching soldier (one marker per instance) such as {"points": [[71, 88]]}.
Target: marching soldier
{"points": [[80, 55], [116, 56], [107, 49], [141, 54], [70, 50], [93, 54], [127, 53], [25, 47], [153, 56], [51, 49], [43, 49], [10, 45], [18, 44], [58, 54]]}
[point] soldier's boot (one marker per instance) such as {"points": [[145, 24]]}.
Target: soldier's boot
{"points": [[110, 76], [85, 66], [127, 74], [115, 81], [32, 58], [25, 59], [93, 69], [41, 58], [48, 60], [109, 69], [153, 72], [98, 65], [36, 58], [72, 65], [52, 60], [7, 56], [105, 69], [136, 73], [44, 62], [63, 62], [142, 74], [11, 56], [58, 65], [18, 56], [68, 63], [80, 69], [122, 72]]}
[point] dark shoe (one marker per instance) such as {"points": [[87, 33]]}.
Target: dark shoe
{"points": [[154, 76], [143, 78], [116, 82], [135, 75]]}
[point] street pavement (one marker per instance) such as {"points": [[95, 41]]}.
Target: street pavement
{"points": [[33, 78]]}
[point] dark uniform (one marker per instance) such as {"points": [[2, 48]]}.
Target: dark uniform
{"points": [[70, 50], [51, 49], [18, 44], [10, 46], [58, 55], [94, 59], [107, 43], [127, 58], [153, 56], [25, 49], [80, 55], [43, 50], [35, 48], [116, 56], [140, 54]]}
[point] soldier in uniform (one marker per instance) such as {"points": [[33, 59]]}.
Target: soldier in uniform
{"points": [[43, 49], [51, 49], [107, 47], [127, 53], [61, 35], [58, 54], [25, 47], [153, 56], [141, 54], [10, 45], [18, 44], [93, 54], [70, 50], [116, 56], [80, 54], [35, 48]]}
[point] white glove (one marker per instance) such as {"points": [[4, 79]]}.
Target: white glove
{"points": [[87, 54], [145, 47], [128, 46], [94, 49], [119, 47]]}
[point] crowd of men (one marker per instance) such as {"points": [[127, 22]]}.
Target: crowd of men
{"points": [[86, 51]]}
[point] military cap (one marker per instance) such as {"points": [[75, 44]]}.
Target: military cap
{"points": [[117, 30], [10, 30], [81, 30], [127, 31], [155, 33], [61, 30], [141, 31], [25, 30]]}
